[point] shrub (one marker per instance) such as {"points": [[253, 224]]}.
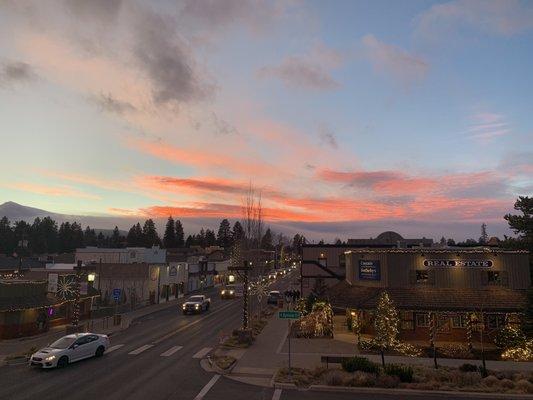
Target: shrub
{"points": [[404, 372], [468, 368], [524, 386], [462, 379], [507, 384], [334, 378], [455, 351], [387, 381], [509, 336], [491, 380], [363, 379], [359, 364]]}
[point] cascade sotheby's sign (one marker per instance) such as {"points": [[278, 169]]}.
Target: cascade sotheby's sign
{"points": [[457, 263], [369, 270]]}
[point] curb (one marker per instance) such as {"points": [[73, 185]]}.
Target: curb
{"points": [[443, 393]]}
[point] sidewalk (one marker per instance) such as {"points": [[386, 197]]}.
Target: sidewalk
{"points": [[100, 325], [269, 352]]}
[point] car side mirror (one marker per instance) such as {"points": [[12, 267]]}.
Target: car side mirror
{"points": [[74, 346]]}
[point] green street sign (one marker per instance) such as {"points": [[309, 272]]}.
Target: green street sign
{"points": [[289, 314]]}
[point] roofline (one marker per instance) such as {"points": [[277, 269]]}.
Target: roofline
{"points": [[430, 250]]}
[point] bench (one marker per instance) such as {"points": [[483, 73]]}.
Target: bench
{"points": [[332, 359]]}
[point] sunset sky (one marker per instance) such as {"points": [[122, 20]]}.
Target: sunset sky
{"points": [[343, 113]]}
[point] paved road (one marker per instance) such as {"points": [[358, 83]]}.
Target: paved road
{"points": [[157, 358]]}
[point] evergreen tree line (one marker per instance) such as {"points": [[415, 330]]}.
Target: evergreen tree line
{"points": [[45, 236]]}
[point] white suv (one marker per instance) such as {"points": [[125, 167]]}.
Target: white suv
{"points": [[69, 349]]}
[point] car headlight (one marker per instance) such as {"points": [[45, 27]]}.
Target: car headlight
{"points": [[231, 292], [223, 292], [184, 306], [197, 306], [50, 358]]}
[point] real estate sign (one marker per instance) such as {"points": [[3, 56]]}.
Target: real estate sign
{"points": [[458, 263], [369, 270]]}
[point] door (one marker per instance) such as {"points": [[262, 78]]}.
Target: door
{"points": [[77, 349]]}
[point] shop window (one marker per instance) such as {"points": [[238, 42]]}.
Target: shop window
{"points": [[422, 320], [422, 276], [495, 321], [494, 278], [342, 260], [407, 320], [460, 321]]}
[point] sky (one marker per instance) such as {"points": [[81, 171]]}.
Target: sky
{"points": [[349, 117]]}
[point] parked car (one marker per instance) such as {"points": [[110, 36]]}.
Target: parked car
{"points": [[196, 304], [70, 348], [273, 297]]}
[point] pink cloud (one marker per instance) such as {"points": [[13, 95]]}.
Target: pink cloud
{"points": [[55, 191]]}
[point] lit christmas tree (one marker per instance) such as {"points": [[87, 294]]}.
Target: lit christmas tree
{"points": [[386, 324]]}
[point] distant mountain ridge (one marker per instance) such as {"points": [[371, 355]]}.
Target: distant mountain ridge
{"points": [[17, 212]]}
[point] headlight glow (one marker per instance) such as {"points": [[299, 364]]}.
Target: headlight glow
{"points": [[231, 292], [197, 306], [50, 358], [223, 292], [183, 306]]}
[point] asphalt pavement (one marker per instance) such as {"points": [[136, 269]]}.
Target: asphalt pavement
{"points": [[157, 358]]}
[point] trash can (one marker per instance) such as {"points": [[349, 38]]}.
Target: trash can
{"points": [[117, 319]]}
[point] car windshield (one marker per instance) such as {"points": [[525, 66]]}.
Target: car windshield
{"points": [[63, 343], [196, 299]]}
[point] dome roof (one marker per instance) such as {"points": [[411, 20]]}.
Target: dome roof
{"points": [[390, 237]]}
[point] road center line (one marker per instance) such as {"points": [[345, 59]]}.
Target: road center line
{"points": [[170, 334], [277, 394], [207, 387], [113, 348], [141, 349], [171, 351], [202, 353]]}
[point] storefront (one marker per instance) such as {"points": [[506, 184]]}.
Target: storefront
{"points": [[452, 289]]}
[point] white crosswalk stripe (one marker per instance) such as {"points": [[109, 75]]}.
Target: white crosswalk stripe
{"points": [[113, 348], [171, 351], [277, 394], [207, 387], [202, 353], [141, 349]]}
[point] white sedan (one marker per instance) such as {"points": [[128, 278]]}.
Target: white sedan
{"points": [[70, 348]]}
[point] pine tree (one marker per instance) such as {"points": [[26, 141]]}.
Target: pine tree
{"points": [[149, 234], [180, 236], [237, 234], [189, 242], [169, 238], [89, 237], [7, 237], [210, 238], [484, 238], [386, 325], [224, 234], [266, 240], [115, 238]]}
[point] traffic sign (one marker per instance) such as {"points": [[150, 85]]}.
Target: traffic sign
{"points": [[289, 314], [116, 294]]}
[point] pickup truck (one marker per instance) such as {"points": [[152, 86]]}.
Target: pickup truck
{"points": [[196, 304]]}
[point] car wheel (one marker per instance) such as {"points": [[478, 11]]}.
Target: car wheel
{"points": [[99, 351], [62, 362]]}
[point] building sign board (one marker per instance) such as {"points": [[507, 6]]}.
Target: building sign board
{"points": [[369, 270], [116, 294], [52, 283], [458, 263], [289, 314]]}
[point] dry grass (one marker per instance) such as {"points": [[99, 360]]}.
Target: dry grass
{"points": [[425, 378], [223, 362]]}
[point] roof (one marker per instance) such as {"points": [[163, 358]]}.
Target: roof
{"points": [[16, 303], [493, 299], [433, 250], [12, 263]]}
